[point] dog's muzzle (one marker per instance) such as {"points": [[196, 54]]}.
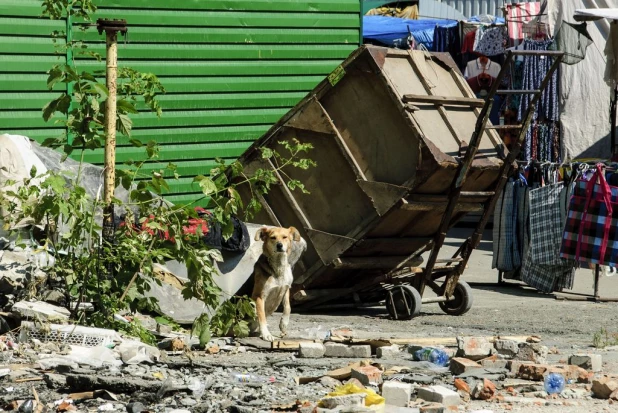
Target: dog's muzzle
{"points": [[280, 247]]}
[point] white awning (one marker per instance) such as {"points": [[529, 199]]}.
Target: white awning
{"points": [[595, 14]]}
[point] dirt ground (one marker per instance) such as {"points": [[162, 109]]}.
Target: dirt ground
{"points": [[510, 309]]}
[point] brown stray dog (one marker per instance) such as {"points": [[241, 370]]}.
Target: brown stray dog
{"points": [[273, 276]]}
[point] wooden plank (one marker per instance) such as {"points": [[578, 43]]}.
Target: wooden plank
{"points": [[443, 100], [502, 127], [375, 263], [517, 92], [290, 197], [343, 146], [444, 198], [440, 206]]}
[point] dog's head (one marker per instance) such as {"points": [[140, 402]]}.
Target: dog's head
{"points": [[277, 240]]}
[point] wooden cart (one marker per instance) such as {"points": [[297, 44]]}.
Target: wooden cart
{"points": [[403, 151]]}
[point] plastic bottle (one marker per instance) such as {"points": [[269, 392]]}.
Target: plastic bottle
{"points": [[554, 383], [433, 355], [251, 378]]}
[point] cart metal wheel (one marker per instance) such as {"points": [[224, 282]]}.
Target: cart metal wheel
{"points": [[462, 303], [403, 302]]}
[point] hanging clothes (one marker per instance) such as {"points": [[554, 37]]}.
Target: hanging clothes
{"points": [[446, 39], [534, 70], [611, 56], [543, 268], [517, 15], [507, 227], [491, 41], [573, 40]]}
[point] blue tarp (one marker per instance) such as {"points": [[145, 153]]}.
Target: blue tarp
{"points": [[387, 30]]}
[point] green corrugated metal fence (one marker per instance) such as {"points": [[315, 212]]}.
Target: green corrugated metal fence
{"points": [[231, 69]]}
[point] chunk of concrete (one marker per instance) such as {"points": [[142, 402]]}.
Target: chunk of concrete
{"points": [[39, 310], [460, 365], [474, 348], [396, 393], [439, 394], [311, 350], [484, 390], [533, 352], [398, 409], [592, 362], [357, 399], [508, 348], [388, 351], [603, 387], [342, 350]]}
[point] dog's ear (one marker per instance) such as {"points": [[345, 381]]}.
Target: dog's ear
{"points": [[261, 233], [295, 234]]}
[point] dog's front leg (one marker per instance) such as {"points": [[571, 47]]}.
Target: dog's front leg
{"points": [[261, 314], [285, 318]]}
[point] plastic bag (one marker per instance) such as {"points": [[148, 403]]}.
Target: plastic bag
{"points": [[350, 388]]}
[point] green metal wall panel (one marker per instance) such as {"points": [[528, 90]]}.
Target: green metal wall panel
{"points": [[230, 68]]}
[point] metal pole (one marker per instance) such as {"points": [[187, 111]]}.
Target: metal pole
{"points": [[613, 120], [110, 116], [111, 29]]}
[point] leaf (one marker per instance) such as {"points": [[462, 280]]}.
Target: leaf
{"points": [[208, 186], [101, 89], [267, 153], [33, 171], [136, 142], [241, 329], [126, 106], [124, 124], [55, 75], [228, 229]]}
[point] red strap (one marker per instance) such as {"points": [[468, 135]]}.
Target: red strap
{"points": [[606, 194]]}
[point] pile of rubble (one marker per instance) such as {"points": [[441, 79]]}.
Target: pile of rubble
{"points": [[249, 375]]}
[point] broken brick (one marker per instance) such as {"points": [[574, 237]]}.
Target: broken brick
{"points": [[367, 375], [461, 365], [461, 384]]}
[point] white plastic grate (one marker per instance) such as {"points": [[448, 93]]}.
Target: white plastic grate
{"points": [[68, 334]]}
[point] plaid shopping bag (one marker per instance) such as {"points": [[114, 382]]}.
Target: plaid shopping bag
{"points": [[591, 230]]}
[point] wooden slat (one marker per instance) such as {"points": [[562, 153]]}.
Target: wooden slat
{"points": [[440, 206], [443, 100], [376, 263]]}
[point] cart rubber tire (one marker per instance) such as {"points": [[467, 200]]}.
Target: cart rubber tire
{"points": [[462, 302], [400, 309]]}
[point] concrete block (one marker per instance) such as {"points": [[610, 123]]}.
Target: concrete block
{"points": [[533, 352], [397, 409], [592, 362], [438, 394], [363, 351], [388, 351], [474, 348], [357, 399], [341, 350], [460, 365], [367, 375], [508, 348], [311, 350], [396, 393]]}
